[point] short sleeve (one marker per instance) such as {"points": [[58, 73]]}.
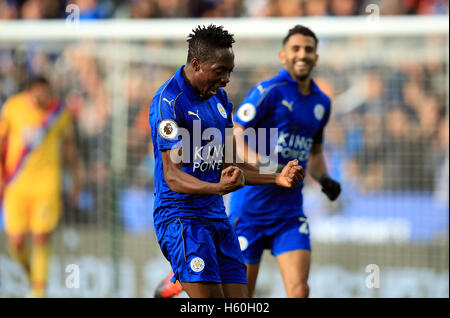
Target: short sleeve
{"points": [[228, 108], [318, 137], [165, 123], [254, 107]]}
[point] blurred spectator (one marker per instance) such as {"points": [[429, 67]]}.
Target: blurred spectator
{"points": [[370, 161], [137, 9], [32, 10], [428, 117], [256, 8], [316, 7], [222, 8], [392, 7], [343, 7], [8, 9], [286, 8], [427, 6], [413, 95], [373, 98], [173, 8], [407, 155], [93, 9]]}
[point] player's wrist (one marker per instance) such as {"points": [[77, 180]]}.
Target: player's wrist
{"points": [[323, 179], [278, 181], [330, 187], [217, 188]]}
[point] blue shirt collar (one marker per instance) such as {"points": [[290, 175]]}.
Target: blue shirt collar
{"points": [[185, 87], [284, 74]]}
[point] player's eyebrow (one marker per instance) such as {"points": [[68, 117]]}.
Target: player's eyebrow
{"points": [[224, 68], [297, 46]]}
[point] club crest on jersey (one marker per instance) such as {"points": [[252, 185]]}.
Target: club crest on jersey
{"points": [[319, 111], [197, 264], [168, 129], [221, 110], [246, 112], [243, 242]]}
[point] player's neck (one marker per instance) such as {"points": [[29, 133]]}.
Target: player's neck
{"points": [[304, 86], [187, 74]]}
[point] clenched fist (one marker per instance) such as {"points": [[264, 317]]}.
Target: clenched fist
{"points": [[291, 175], [231, 179]]}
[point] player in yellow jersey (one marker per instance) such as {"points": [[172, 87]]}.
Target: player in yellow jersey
{"points": [[36, 135]]}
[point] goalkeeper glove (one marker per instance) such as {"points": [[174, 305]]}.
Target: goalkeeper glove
{"points": [[330, 187]]}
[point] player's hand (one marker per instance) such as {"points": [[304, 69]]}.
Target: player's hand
{"points": [[330, 187], [291, 175], [231, 179]]}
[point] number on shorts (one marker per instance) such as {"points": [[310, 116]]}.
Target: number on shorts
{"points": [[304, 229]]}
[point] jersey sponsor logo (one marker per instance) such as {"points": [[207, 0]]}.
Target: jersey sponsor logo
{"points": [[208, 157], [168, 129], [243, 242], [197, 264], [292, 146], [287, 104], [319, 111], [221, 110], [194, 114], [168, 101], [260, 89], [246, 112]]}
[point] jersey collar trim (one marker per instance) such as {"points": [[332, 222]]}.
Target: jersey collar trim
{"points": [[286, 76], [187, 88]]}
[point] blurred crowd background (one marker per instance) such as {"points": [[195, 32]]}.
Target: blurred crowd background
{"points": [[387, 138], [145, 9]]}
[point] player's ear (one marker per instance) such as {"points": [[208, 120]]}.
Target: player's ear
{"points": [[282, 56], [195, 64], [316, 60]]}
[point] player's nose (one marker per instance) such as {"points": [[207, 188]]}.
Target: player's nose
{"points": [[301, 54], [225, 79]]}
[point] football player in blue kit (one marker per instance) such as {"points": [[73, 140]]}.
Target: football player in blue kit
{"points": [[270, 217], [191, 225]]}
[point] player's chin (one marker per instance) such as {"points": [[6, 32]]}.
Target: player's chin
{"points": [[301, 75], [209, 94]]}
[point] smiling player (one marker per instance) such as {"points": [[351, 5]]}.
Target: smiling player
{"points": [[268, 217]]}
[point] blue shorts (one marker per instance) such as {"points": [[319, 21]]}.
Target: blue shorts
{"points": [[280, 236], [202, 250]]}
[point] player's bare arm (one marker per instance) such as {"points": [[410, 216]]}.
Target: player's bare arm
{"points": [[232, 178], [290, 176], [316, 164]]}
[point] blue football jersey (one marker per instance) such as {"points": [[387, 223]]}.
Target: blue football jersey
{"points": [[179, 118], [300, 120]]}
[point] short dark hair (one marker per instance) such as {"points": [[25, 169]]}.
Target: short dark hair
{"points": [[38, 80], [204, 40], [300, 29]]}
